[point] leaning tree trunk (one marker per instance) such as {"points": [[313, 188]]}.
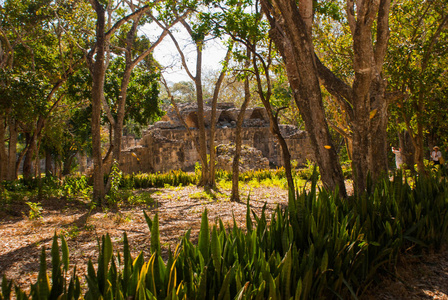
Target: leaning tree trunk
{"points": [[292, 37], [273, 122]]}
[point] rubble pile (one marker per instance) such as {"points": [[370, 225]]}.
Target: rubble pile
{"points": [[250, 158]]}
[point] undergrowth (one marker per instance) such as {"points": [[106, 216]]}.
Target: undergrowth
{"points": [[320, 246]]}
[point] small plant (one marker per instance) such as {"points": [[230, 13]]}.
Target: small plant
{"points": [[115, 177], [76, 186], [35, 210], [72, 232], [141, 198]]}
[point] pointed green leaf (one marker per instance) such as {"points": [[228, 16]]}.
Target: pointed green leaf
{"points": [[204, 237]]}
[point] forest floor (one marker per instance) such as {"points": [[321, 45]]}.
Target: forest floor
{"points": [[179, 208]]}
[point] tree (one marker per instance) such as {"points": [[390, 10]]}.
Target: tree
{"points": [[415, 66], [39, 60], [97, 61], [235, 195], [365, 99], [198, 33], [135, 50]]}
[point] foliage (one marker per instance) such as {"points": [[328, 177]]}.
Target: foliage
{"points": [[114, 178], [76, 186], [35, 210], [415, 66], [320, 246], [142, 92]]}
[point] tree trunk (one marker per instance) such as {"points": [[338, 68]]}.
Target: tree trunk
{"points": [[3, 154], [212, 181], [235, 196], [408, 149], [97, 66], [68, 164], [201, 120], [285, 153], [295, 44], [121, 101], [12, 149], [273, 120], [48, 164], [365, 100], [368, 92], [27, 169]]}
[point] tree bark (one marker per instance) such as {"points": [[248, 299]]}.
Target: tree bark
{"points": [[67, 165], [12, 149], [48, 164], [212, 181], [97, 67], [365, 101], [3, 154], [291, 36], [273, 120], [27, 168], [235, 195]]}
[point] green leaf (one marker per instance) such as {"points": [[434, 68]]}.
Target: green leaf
{"points": [[155, 236], [248, 218], [65, 254], [148, 220], [204, 237], [224, 293], [6, 288], [216, 251], [43, 282]]}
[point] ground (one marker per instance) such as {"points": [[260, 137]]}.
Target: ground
{"points": [[21, 239]]}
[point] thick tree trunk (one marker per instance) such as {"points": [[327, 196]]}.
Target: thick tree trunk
{"points": [[408, 149], [368, 92], [378, 144], [291, 36], [291, 32]]}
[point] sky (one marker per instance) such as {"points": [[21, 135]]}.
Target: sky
{"points": [[166, 54]]}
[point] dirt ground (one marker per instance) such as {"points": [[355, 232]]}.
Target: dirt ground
{"points": [[21, 240]]}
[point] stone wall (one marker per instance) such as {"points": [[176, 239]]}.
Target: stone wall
{"points": [[167, 145]]}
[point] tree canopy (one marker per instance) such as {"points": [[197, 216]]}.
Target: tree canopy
{"points": [[372, 74]]}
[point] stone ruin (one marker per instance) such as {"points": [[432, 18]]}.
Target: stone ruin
{"points": [[250, 158], [166, 145]]}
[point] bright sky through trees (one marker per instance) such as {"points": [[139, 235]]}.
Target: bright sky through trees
{"points": [[166, 54]]}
